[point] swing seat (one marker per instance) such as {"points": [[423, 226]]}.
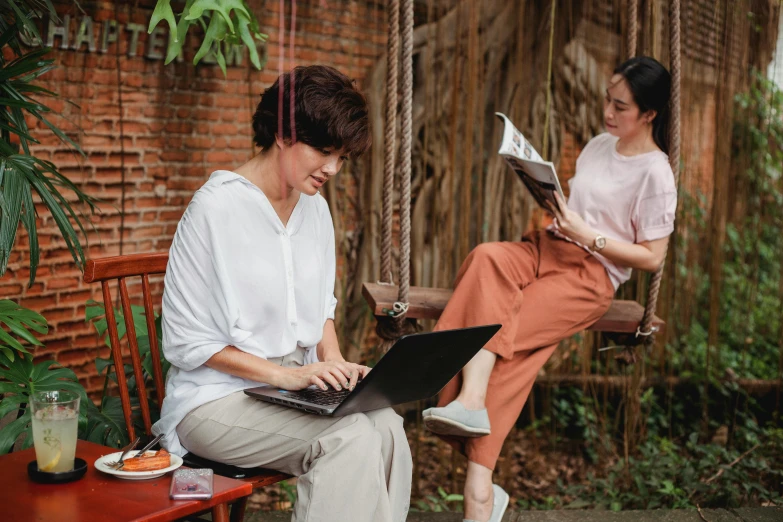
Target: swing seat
{"points": [[428, 303]]}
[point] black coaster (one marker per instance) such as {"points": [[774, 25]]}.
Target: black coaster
{"points": [[60, 477]]}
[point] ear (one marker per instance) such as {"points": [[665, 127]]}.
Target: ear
{"points": [[650, 115], [280, 142]]}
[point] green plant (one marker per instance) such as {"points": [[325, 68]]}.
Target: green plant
{"points": [[19, 322], [225, 23], [440, 503], [288, 487], [20, 377], [23, 175]]}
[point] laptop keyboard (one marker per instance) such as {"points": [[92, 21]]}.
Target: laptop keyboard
{"points": [[321, 397]]}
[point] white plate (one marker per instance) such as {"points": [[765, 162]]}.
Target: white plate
{"points": [[101, 465]]}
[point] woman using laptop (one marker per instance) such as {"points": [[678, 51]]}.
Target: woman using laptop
{"points": [[249, 299], [557, 282]]}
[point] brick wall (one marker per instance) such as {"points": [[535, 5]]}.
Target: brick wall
{"points": [[177, 124]]}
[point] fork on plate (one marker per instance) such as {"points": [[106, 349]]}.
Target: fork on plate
{"points": [[125, 451], [120, 463]]}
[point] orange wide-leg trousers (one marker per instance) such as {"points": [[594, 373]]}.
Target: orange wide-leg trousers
{"points": [[542, 290]]}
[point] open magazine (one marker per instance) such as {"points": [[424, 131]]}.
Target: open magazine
{"points": [[539, 176]]}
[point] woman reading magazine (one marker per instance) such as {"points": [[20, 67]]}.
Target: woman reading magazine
{"points": [[557, 282]]}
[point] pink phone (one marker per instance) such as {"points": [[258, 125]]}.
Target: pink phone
{"points": [[191, 484]]}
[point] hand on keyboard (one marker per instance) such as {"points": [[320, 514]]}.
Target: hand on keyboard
{"points": [[337, 375]]}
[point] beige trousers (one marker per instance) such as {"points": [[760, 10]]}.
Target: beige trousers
{"points": [[356, 467]]}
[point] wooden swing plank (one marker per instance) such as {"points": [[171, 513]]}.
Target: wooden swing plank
{"points": [[425, 303], [428, 303]]}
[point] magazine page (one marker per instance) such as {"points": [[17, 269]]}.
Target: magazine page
{"points": [[514, 142], [539, 176]]}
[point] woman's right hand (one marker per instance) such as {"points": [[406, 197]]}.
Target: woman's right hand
{"points": [[335, 374]]}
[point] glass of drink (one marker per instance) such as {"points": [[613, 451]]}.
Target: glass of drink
{"points": [[55, 424]]}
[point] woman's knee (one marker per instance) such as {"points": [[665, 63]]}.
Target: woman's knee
{"points": [[360, 431], [484, 253], [386, 420]]}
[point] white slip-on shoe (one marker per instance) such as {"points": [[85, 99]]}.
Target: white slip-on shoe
{"points": [[455, 420], [499, 504]]}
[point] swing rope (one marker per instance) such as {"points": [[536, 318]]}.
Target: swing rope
{"points": [[633, 31], [390, 139], [405, 153], [646, 330], [397, 325]]}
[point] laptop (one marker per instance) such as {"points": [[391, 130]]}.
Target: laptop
{"points": [[416, 367]]}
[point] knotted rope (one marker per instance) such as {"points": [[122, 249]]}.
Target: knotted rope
{"points": [[390, 137], [674, 157], [633, 10], [405, 152], [397, 324], [646, 330]]}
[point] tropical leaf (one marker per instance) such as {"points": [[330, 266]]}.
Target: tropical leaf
{"points": [[223, 21], [19, 322], [216, 32], [106, 425], [163, 11], [19, 378], [22, 174]]}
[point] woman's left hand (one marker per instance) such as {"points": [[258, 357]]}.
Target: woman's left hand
{"points": [[355, 371], [571, 224]]}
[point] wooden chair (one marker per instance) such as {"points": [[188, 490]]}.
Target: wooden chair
{"points": [[143, 265]]}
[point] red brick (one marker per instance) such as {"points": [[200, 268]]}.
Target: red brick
{"points": [[228, 101], [58, 283], [220, 157], [60, 314], [54, 346], [39, 303], [224, 129], [79, 297], [178, 127], [10, 290], [76, 357]]}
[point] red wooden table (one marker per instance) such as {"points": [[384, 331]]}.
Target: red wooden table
{"points": [[98, 496]]}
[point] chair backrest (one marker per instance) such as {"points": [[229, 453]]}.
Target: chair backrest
{"points": [[120, 268]]}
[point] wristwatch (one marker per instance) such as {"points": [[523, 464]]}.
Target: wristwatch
{"points": [[598, 243]]}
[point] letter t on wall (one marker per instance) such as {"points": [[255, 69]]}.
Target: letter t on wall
{"points": [[110, 31]]}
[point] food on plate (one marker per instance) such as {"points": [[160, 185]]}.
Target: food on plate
{"points": [[150, 461]]}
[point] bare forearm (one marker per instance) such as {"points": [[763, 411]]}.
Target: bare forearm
{"points": [[234, 361], [645, 255], [631, 255], [329, 349], [337, 374]]}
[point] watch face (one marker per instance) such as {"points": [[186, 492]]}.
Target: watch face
{"points": [[600, 242]]}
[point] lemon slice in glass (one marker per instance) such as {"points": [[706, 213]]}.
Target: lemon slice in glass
{"points": [[52, 463]]}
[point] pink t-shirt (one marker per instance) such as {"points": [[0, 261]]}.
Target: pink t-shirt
{"points": [[627, 198]]}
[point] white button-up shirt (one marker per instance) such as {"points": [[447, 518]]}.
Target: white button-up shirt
{"points": [[238, 276]]}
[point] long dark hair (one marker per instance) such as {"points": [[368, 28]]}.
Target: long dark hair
{"points": [[651, 86]]}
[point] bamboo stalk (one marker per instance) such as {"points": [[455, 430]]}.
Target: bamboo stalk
{"points": [[453, 133], [468, 135]]}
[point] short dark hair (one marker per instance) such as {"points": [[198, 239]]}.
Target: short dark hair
{"points": [[651, 85], [330, 112]]}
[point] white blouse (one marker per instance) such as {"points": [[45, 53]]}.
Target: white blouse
{"points": [[237, 276]]}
